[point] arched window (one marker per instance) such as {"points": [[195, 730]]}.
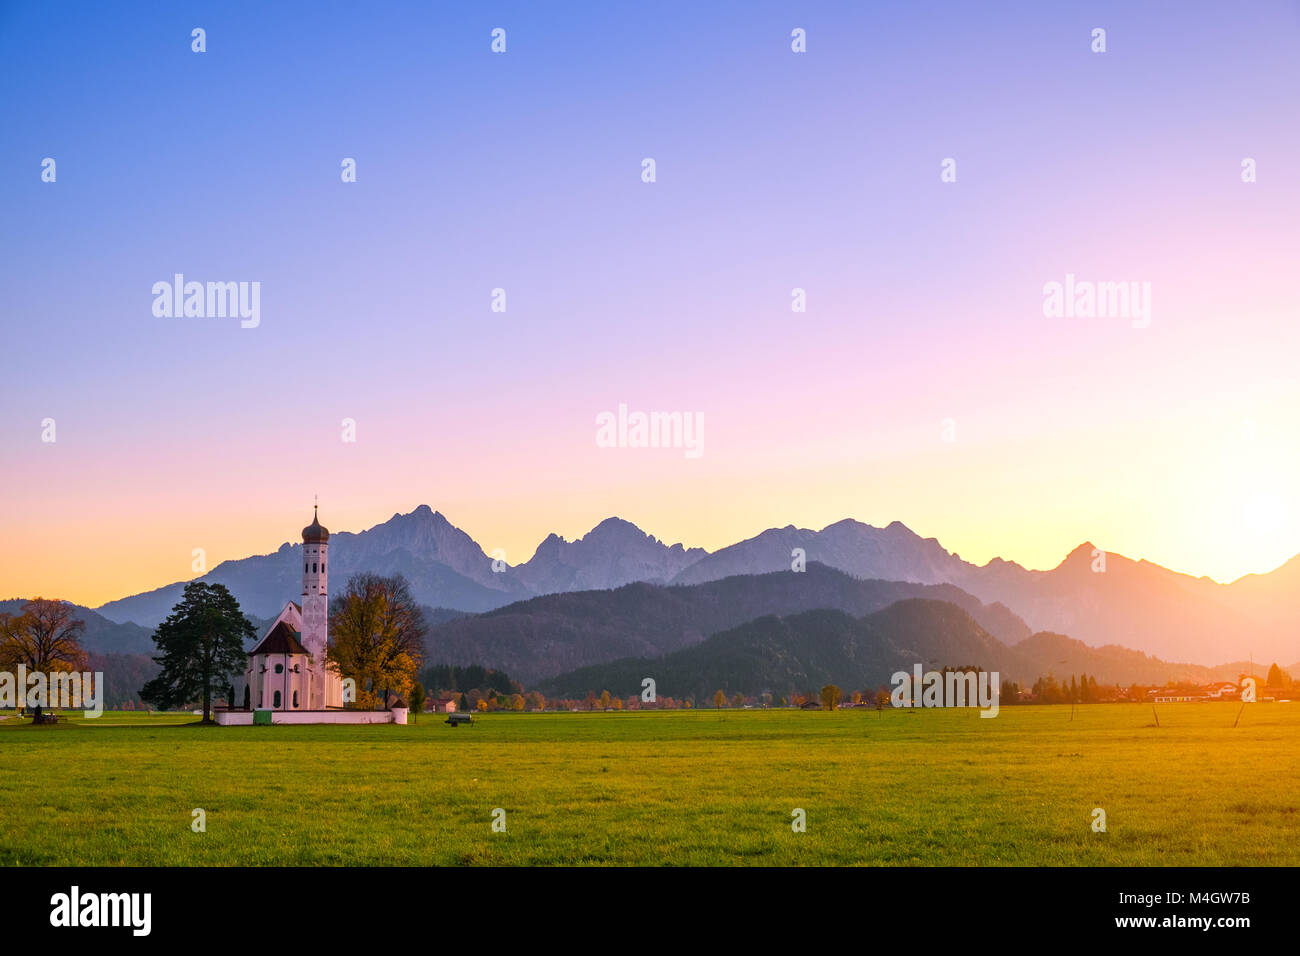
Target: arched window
{"points": [[279, 668], [304, 567], [313, 568], [246, 697], [295, 699], [276, 703]]}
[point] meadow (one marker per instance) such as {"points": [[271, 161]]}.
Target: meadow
{"points": [[931, 787]]}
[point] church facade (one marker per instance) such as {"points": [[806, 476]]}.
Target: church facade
{"points": [[287, 670]]}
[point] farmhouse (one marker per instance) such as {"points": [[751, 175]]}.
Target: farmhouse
{"points": [[440, 705]]}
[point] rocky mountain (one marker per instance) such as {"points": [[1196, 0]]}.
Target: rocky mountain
{"points": [[614, 553], [1132, 603], [442, 563], [547, 635], [893, 553], [1136, 604]]}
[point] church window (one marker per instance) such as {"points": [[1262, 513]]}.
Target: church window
{"points": [[277, 699], [313, 568], [295, 698], [304, 567], [279, 668]]}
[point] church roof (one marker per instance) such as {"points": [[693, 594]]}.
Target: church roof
{"points": [[281, 640], [314, 533]]}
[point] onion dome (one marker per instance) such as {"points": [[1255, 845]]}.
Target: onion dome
{"points": [[314, 533]]}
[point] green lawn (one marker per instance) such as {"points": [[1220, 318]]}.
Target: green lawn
{"points": [[702, 787]]}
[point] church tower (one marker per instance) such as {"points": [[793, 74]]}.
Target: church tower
{"points": [[315, 608]]}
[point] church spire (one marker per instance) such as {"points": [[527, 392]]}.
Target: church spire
{"points": [[314, 533]]}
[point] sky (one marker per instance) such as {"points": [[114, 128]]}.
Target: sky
{"points": [[923, 383]]}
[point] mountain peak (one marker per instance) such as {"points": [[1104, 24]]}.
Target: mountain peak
{"points": [[616, 525]]}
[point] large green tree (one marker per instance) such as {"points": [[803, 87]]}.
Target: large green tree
{"points": [[202, 645]]}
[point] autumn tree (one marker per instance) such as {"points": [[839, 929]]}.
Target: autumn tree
{"points": [[378, 632], [202, 645], [831, 696], [44, 637]]}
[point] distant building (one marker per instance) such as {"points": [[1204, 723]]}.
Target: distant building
{"points": [[440, 705]]}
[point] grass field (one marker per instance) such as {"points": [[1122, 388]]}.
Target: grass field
{"points": [[704, 787]]}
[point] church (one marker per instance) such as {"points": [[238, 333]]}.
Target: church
{"points": [[287, 669], [288, 680]]}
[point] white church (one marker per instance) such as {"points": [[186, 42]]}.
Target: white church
{"points": [[288, 680]]}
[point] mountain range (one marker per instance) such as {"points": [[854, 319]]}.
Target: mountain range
{"points": [[799, 653], [544, 636], [1135, 604]]}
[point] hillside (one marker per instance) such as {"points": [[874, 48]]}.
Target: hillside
{"points": [[802, 652], [548, 635]]}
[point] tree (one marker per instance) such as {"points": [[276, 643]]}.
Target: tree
{"points": [[202, 644], [604, 700], [417, 701], [831, 696], [43, 637], [719, 699], [378, 632]]}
